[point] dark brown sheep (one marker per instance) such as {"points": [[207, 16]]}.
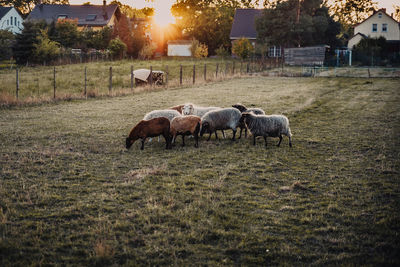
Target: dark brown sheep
{"points": [[150, 128]]}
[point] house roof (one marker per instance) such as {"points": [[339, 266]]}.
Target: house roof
{"points": [[87, 15], [4, 10], [244, 23], [383, 11]]}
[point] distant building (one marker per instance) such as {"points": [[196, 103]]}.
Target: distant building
{"points": [[311, 55], [179, 48], [379, 24], [87, 16], [10, 20]]}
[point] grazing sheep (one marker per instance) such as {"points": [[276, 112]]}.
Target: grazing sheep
{"points": [[186, 125], [267, 126], [178, 108], [167, 113], [220, 119], [150, 128], [190, 109], [242, 108]]}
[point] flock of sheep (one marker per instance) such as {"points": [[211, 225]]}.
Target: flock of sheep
{"points": [[189, 119]]}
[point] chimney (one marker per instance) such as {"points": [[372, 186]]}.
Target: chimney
{"points": [[105, 10], [384, 10]]}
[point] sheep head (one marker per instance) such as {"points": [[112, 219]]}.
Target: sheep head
{"points": [[205, 127], [187, 109], [240, 107]]}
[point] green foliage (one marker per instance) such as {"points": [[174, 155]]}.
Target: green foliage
{"points": [[26, 6], [208, 21], [242, 48], [7, 39], [117, 48], [222, 52], [373, 51], [147, 51], [283, 26], [45, 49], [25, 41], [66, 33]]}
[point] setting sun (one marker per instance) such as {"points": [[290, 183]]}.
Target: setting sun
{"points": [[162, 13]]}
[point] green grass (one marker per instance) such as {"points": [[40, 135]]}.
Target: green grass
{"points": [[71, 194]]}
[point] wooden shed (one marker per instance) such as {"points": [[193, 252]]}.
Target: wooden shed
{"points": [[312, 55]]}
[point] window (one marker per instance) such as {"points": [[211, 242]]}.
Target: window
{"points": [[374, 27], [15, 21], [91, 17], [379, 15], [11, 20], [384, 27], [7, 23], [274, 51]]}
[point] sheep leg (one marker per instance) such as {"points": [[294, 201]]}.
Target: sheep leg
{"points": [[245, 132], [240, 133], [183, 140], [280, 140], [168, 141], [142, 147], [196, 140], [265, 138], [290, 141], [216, 136], [209, 137], [234, 134], [254, 140], [223, 133]]}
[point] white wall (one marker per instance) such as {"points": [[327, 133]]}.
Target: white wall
{"points": [[393, 31], [16, 25], [179, 50]]}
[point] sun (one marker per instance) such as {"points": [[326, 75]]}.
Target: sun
{"points": [[162, 14]]}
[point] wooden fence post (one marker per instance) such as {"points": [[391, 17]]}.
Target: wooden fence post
{"points": [[205, 72], [54, 82], [226, 68], [248, 67], [194, 73], [110, 81], [180, 75], [131, 78], [151, 76], [233, 68], [85, 91], [166, 75], [216, 71], [17, 83]]}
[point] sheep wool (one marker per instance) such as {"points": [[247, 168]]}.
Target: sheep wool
{"points": [[220, 119]]}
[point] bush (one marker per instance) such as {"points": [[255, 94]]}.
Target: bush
{"points": [[117, 48], [147, 51], [242, 48], [45, 49], [6, 42], [222, 52], [198, 50]]}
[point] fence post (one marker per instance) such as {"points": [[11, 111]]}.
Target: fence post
{"points": [[248, 67], [151, 76], [233, 68], [54, 82], [205, 72], [85, 92], [17, 83], [241, 65], [216, 71], [131, 78], [166, 75], [110, 81], [194, 73], [180, 75], [226, 68]]}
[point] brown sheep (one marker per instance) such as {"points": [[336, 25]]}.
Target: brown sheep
{"points": [[186, 125], [150, 128]]}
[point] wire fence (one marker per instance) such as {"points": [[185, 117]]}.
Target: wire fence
{"points": [[42, 83]]}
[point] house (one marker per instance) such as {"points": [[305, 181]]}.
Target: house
{"points": [[244, 25], [10, 20], [179, 48], [87, 16], [379, 24]]}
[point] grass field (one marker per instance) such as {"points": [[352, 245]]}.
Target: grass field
{"points": [[71, 194]]}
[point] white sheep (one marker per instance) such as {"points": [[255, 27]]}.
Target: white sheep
{"points": [[190, 109], [267, 126], [220, 119]]}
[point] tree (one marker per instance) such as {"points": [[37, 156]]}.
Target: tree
{"points": [[208, 21], [397, 12], [7, 39], [25, 41], [66, 32], [288, 24], [26, 6], [242, 48], [45, 49], [124, 33], [117, 48]]}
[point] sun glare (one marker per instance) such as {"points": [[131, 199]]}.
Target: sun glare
{"points": [[162, 13]]}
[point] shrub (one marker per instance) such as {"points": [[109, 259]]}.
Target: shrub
{"points": [[6, 41], [45, 49], [242, 48], [198, 50], [147, 51], [222, 52], [117, 48]]}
